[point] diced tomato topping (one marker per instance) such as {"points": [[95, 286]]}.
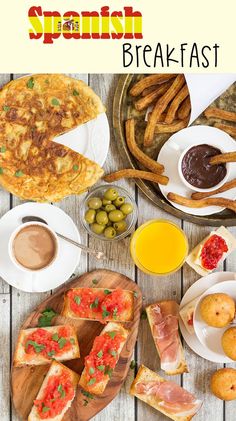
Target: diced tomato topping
{"points": [[58, 392], [103, 357], [102, 304], [212, 252], [48, 344]]}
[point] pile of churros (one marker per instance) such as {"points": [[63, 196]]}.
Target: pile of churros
{"points": [[228, 116]]}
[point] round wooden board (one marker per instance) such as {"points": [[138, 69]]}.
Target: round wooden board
{"points": [[26, 381], [123, 109]]}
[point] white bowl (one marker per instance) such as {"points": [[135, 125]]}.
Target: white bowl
{"points": [[210, 337], [190, 186]]}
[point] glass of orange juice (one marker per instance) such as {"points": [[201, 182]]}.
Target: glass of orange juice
{"points": [[159, 247]]}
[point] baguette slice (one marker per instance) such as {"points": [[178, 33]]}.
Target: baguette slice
{"points": [[168, 308], [97, 313], [145, 376], [99, 387], [23, 358], [56, 369], [193, 258]]}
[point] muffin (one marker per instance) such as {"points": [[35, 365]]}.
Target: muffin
{"points": [[223, 384], [228, 342], [217, 310]]}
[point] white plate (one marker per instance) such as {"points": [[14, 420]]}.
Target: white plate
{"points": [[90, 139], [196, 290], [171, 151], [210, 337], [64, 265]]}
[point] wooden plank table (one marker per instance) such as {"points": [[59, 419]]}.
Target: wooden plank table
{"points": [[15, 305]]}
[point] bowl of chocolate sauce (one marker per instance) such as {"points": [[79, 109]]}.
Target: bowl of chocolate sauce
{"points": [[196, 171], [33, 246]]}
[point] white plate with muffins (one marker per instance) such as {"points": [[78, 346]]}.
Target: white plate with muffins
{"points": [[197, 290], [32, 257]]}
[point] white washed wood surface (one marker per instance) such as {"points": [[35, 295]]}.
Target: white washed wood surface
{"points": [[15, 305]]}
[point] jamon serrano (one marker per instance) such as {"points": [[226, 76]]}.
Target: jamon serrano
{"points": [[165, 396], [163, 319]]}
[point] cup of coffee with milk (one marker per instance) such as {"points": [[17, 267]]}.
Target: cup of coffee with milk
{"points": [[33, 247]]}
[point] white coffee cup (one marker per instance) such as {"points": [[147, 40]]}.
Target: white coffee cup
{"points": [[197, 189], [11, 243]]}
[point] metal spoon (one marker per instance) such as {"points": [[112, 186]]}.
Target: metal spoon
{"points": [[98, 254]]}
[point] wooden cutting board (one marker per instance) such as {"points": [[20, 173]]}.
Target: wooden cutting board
{"points": [[26, 381]]}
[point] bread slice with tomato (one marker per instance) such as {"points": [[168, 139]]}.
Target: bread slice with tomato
{"points": [[100, 304], [56, 394], [39, 346], [103, 357]]}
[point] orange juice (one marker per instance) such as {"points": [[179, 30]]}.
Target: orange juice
{"points": [[159, 247]]}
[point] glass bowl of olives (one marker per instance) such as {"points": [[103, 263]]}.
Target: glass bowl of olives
{"points": [[109, 212]]}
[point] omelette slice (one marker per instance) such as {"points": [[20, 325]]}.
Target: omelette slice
{"points": [[33, 111]]}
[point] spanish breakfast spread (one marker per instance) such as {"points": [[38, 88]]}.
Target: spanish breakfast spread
{"points": [[197, 169]]}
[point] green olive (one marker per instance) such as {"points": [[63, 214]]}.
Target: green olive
{"points": [[120, 226], [94, 203], [127, 208], [110, 232], [106, 202], [116, 215], [110, 194], [90, 216], [109, 208], [120, 200], [97, 228], [102, 218]]}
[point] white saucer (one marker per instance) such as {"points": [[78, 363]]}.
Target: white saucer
{"points": [[64, 265], [90, 139], [196, 290], [210, 337], [171, 151]]}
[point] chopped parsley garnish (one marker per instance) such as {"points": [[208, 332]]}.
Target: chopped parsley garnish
{"points": [[46, 318], [91, 381], [5, 108], [101, 367], [45, 408], [55, 337], [55, 101], [77, 299], [30, 83], [1, 170], [143, 315], [100, 354], [72, 341], [51, 353], [95, 281], [133, 364], [62, 342], [46, 81], [135, 294], [91, 370], [109, 371], [115, 313], [3, 149], [19, 173], [61, 391], [87, 394], [75, 93], [105, 313], [113, 352], [95, 303], [75, 167], [111, 334], [37, 347], [107, 292]]}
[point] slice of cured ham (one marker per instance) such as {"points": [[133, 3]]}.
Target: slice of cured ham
{"points": [[163, 318]]}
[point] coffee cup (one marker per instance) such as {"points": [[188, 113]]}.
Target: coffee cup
{"points": [[33, 247]]}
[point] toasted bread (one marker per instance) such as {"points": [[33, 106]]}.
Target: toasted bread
{"points": [[126, 315], [99, 388], [56, 368], [182, 368], [146, 375], [22, 358]]}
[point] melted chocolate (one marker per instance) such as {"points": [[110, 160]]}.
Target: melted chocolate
{"points": [[197, 170]]}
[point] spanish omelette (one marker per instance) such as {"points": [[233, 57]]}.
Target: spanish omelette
{"points": [[33, 110]]}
